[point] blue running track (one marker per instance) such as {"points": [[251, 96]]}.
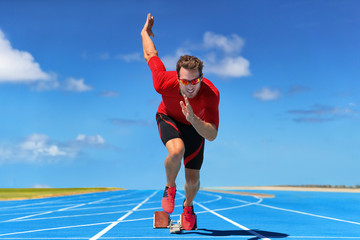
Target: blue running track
{"points": [[129, 215]]}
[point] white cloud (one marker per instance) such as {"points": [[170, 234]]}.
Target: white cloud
{"points": [[5, 153], [48, 85], [229, 67], [90, 140], [105, 56], [229, 45], [322, 113], [38, 148], [221, 55], [70, 84], [170, 61], [131, 57], [227, 62], [39, 145], [18, 66], [75, 85], [266, 94]]}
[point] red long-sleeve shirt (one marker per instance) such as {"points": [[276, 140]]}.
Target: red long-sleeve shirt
{"points": [[205, 104]]}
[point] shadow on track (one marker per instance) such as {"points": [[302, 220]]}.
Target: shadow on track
{"points": [[225, 233]]}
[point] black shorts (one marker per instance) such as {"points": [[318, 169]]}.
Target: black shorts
{"points": [[193, 142]]}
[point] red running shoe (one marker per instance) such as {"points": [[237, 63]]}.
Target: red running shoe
{"points": [[168, 201], [188, 218]]}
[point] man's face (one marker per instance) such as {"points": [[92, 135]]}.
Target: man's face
{"points": [[189, 90]]}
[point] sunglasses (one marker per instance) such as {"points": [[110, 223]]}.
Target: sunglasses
{"points": [[193, 82]]}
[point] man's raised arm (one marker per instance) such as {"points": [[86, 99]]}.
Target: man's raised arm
{"points": [[148, 45]]}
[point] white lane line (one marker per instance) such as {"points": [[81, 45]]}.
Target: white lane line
{"points": [[140, 219], [295, 211], [248, 203], [67, 227], [188, 237], [56, 228], [322, 237], [143, 209], [218, 197], [62, 209], [32, 209], [99, 201], [26, 205], [67, 208], [62, 201], [258, 235], [28, 216], [43, 213], [303, 213], [235, 207], [149, 237], [97, 236], [309, 214]]}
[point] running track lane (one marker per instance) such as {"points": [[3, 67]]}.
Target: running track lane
{"points": [[290, 215]]}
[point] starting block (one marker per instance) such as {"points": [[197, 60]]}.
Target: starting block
{"points": [[163, 220]]}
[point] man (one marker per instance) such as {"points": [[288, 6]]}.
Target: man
{"points": [[187, 115]]}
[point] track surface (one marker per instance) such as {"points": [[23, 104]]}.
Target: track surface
{"points": [[129, 215]]}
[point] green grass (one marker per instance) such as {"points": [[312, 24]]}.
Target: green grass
{"points": [[31, 193]]}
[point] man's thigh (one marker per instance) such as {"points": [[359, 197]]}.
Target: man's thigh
{"points": [[175, 147]]}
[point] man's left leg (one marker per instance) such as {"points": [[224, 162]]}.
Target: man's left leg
{"points": [[192, 185], [193, 159]]}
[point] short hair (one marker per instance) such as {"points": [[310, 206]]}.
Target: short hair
{"points": [[189, 62]]}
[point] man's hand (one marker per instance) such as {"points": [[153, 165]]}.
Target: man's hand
{"points": [[148, 45], [206, 130], [187, 110], [148, 25]]}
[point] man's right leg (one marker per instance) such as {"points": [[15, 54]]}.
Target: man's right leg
{"points": [[176, 152], [171, 137]]}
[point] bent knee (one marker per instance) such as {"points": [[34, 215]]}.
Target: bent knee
{"points": [[177, 153], [176, 149]]}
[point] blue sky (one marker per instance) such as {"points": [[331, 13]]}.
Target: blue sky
{"points": [[78, 106]]}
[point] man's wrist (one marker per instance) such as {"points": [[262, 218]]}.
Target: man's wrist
{"points": [[144, 33], [194, 119]]}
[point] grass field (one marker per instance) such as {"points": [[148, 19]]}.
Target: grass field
{"points": [[31, 193]]}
